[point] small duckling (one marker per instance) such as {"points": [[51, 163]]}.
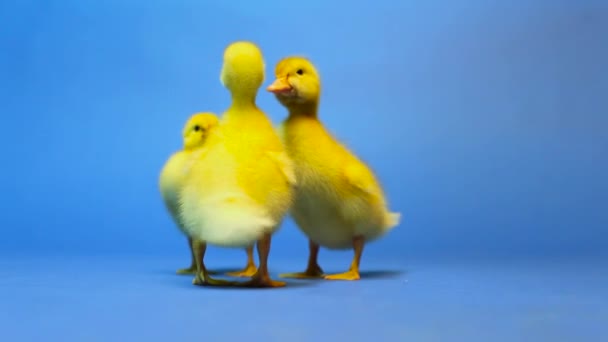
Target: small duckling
{"points": [[240, 188], [338, 202], [172, 175]]}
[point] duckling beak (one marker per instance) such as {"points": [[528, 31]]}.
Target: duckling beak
{"points": [[279, 86]]}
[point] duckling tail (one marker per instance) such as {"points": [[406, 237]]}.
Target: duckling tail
{"points": [[391, 220]]}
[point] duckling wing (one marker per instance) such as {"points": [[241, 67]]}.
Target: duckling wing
{"points": [[285, 164], [361, 178]]}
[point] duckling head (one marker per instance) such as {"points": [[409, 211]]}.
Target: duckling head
{"points": [[243, 70], [197, 129], [297, 83]]}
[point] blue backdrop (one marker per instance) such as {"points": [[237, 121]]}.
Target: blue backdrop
{"points": [[486, 121]]}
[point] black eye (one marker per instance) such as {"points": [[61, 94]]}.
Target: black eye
{"points": [[197, 128], [300, 72]]}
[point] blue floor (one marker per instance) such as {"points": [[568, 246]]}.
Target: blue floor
{"points": [[141, 299]]}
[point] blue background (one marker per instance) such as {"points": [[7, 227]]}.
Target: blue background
{"points": [[486, 121]]}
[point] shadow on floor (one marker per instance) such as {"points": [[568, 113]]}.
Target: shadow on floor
{"points": [[370, 274], [215, 272], [291, 284], [185, 280], [382, 274]]}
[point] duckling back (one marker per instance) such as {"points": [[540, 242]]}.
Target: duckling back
{"points": [[245, 171]]}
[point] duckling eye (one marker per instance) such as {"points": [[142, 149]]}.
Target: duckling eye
{"points": [[197, 128], [300, 72]]}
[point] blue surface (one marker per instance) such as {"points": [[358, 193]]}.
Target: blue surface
{"points": [[127, 299], [485, 120]]}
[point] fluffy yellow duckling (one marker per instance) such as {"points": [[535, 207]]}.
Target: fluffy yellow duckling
{"points": [[172, 176], [338, 202], [241, 186]]}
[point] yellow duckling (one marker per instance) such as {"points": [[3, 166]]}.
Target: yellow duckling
{"points": [[172, 176], [241, 186], [338, 202]]}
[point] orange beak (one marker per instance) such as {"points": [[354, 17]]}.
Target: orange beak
{"points": [[279, 86]]}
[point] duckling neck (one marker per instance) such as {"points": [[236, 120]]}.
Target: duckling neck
{"points": [[243, 101], [304, 109]]}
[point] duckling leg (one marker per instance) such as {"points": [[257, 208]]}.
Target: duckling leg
{"points": [[202, 276], [353, 272], [261, 278], [192, 268], [249, 269], [313, 270]]}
